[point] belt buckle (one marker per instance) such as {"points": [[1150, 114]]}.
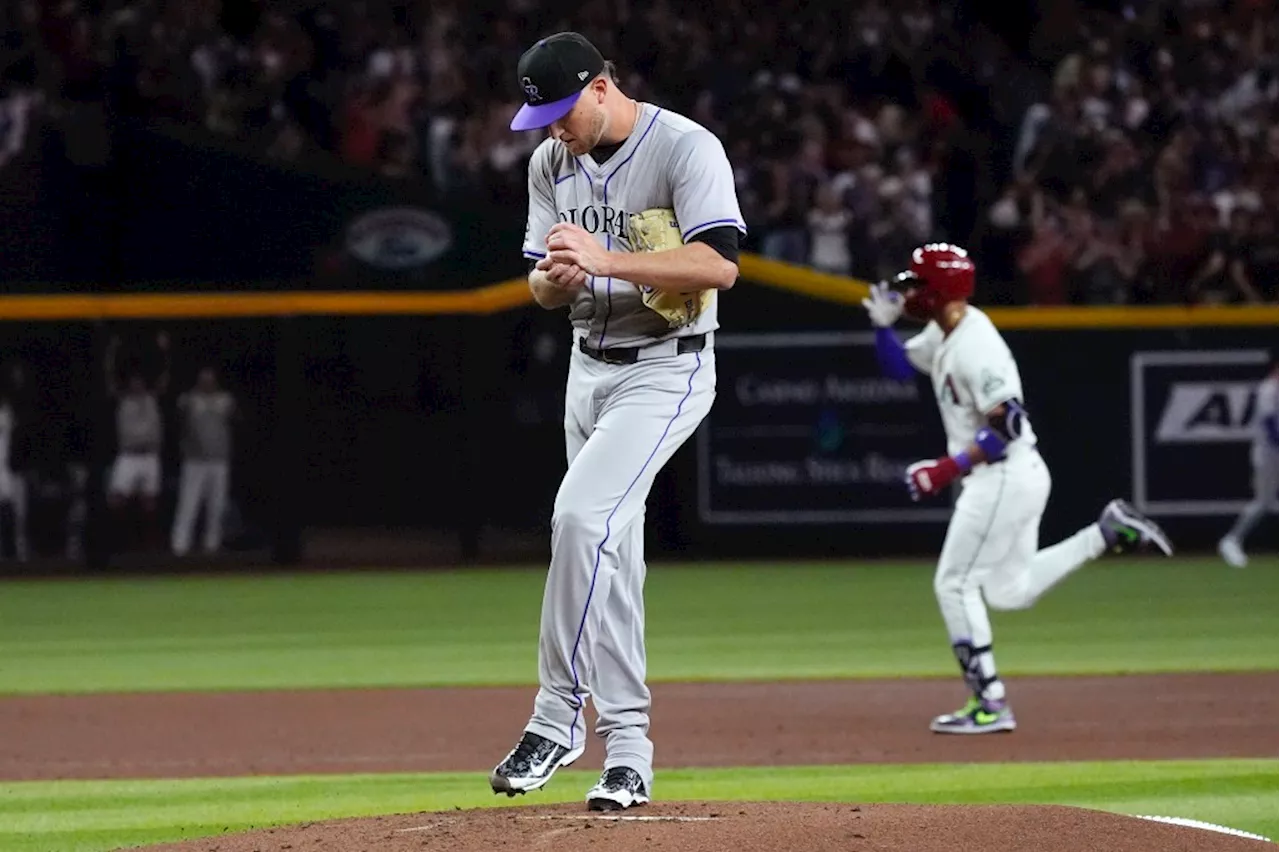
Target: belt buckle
{"points": [[602, 355], [692, 343]]}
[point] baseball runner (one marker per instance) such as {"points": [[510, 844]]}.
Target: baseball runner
{"points": [[1264, 458], [991, 555], [633, 223]]}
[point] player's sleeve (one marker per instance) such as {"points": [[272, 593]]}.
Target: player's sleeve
{"points": [[542, 207], [920, 348], [725, 239], [990, 373], [703, 193]]}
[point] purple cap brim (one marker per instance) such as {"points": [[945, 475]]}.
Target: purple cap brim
{"points": [[533, 117]]}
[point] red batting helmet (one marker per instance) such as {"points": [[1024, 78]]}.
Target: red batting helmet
{"points": [[943, 273]]}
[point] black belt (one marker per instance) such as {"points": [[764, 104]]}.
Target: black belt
{"points": [[631, 354]]}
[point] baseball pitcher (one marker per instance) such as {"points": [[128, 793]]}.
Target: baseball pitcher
{"points": [[991, 556], [1263, 456], [633, 224]]}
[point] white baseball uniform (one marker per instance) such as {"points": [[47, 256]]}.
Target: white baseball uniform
{"points": [[623, 421], [991, 555], [140, 431], [8, 479], [204, 477], [13, 488]]}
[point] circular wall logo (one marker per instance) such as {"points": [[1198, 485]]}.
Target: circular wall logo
{"points": [[399, 237]]}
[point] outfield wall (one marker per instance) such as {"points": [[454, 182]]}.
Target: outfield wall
{"points": [[451, 424]]}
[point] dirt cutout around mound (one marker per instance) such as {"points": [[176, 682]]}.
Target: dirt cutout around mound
{"points": [[740, 827]]}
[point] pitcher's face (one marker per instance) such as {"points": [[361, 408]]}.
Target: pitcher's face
{"points": [[584, 125]]}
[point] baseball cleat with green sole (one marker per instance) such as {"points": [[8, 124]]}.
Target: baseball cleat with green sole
{"points": [[1126, 530], [977, 716]]}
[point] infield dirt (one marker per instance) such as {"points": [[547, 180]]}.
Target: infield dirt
{"points": [[173, 735], [176, 735]]}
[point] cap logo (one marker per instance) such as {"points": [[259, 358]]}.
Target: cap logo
{"points": [[582, 75], [530, 89]]}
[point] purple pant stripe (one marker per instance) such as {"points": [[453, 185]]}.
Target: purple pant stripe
{"points": [[595, 570]]}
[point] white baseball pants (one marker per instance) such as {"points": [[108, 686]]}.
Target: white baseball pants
{"points": [[13, 490], [992, 556], [135, 474], [200, 484], [1265, 474]]}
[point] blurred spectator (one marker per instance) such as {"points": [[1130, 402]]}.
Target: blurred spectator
{"points": [[207, 412], [829, 223], [1136, 235], [13, 486], [1169, 106], [416, 91], [1225, 274], [135, 474], [359, 130], [1167, 121], [1261, 255], [16, 105]]}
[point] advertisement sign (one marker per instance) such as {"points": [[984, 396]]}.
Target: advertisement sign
{"points": [[398, 238], [806, 430], [1192, 414]]}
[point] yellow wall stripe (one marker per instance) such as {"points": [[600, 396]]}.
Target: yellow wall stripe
{"points": [[802, 280], [508, 295], [224, 305], [1138, 316], [851, 291]]}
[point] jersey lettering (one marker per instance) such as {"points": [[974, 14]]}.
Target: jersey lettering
{"points": [[596, 220], [991, 382], [949, 393]]}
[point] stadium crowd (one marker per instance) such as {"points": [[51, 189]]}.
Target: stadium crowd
{"points": [[1123, 157]]}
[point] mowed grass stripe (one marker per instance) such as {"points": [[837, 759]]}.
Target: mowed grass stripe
{"points": [[90, 816], [719, 622]]}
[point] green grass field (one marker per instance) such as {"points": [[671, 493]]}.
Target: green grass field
{"points": [[88, 816], [727, 622], [724, 622]]}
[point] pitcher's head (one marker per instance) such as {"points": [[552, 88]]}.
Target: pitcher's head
{"points": [[568, 89]]}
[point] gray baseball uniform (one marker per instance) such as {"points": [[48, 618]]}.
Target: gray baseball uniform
{"points": [[623, 421], [1263, 455]]}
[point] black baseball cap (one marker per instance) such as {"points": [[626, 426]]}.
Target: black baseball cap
{"points": [[552, 74]]}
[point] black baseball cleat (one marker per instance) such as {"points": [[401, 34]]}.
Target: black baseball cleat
{"points": [[1125, 529], [619, 788], [530, 764]]}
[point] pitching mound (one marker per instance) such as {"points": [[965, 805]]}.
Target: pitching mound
{"points": [[740, 827]]}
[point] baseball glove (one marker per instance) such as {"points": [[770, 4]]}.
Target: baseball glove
{"points": [[656, 230]]}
